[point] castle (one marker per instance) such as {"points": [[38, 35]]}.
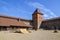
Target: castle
{"points": [[37, 22]]}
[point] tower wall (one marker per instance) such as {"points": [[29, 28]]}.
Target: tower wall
{"points": [[37, 18]]}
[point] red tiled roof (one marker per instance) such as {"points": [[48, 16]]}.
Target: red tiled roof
{"points": [[8, 21], [14, 18], [24, 19]]}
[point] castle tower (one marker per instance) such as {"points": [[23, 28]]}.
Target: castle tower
{"points": [[37, 18]]}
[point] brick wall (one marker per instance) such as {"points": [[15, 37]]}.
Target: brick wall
{"points": [[37, 19]]}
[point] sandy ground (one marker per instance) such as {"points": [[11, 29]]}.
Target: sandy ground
{"points": [[35, 35]]}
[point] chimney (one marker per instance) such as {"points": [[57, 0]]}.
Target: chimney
{"points": [[37, 18]]}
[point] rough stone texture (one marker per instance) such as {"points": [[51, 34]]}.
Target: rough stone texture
{"points": [[49, 24]]}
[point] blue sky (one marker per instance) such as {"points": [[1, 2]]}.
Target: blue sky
{"points": [[25, 8]]}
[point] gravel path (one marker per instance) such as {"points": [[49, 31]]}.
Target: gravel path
{"points": [[35, 35]]}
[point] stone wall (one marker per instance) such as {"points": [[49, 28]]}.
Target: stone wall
{"points": [[51, 23]]}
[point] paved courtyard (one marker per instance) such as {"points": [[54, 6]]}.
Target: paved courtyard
{"points": [[35, 35]]}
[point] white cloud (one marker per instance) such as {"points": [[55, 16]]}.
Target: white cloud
{"points": [[5, 8], [36, 5], [20, 10], [3, 2], [42, 7], [45, 15], [49, 11], [53, 14]]}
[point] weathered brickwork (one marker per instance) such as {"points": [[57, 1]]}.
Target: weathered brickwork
{"points": [[51, 23], [37, 18]]}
